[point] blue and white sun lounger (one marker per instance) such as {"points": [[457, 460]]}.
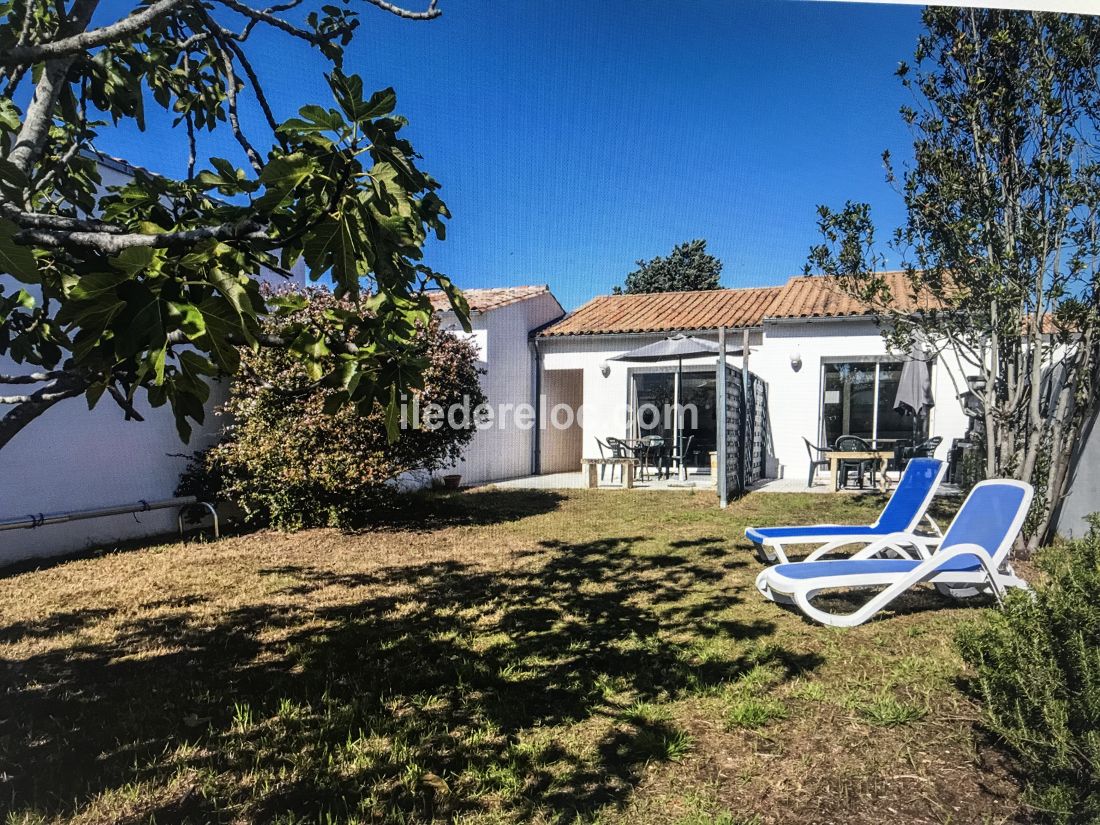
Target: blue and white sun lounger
{"points": [[971, 558], [903, 512]]}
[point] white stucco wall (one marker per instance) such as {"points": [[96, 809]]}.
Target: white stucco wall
{"points": [[794, 399], [504, 450], [72, 459]]}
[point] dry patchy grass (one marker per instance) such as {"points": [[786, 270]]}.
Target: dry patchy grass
{"points": [[497, 657]]}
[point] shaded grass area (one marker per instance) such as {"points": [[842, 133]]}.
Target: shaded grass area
{"points": [[498, 656]]}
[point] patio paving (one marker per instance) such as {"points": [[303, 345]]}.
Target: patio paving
{"points": [[697, 480], [796, 485], [822, 485]]}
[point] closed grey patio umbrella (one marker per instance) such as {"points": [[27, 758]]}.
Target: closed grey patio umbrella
{"points": [[914, 396]]}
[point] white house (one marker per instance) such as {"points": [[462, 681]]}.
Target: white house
{"points": [[821, 354]]}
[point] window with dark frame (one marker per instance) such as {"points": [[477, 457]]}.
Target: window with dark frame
{"points": [[858, 399]]}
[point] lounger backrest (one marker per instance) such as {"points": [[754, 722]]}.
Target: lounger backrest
{"points": [[912, 496], [991, 517]]}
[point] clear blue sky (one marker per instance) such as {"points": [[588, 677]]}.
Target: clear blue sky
{"points": [[572, 138]]}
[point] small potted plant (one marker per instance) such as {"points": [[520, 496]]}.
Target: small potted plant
{"points": [[452, 481]]}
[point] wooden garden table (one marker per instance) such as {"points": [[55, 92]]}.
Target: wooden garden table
{"points": [[881, 456]]}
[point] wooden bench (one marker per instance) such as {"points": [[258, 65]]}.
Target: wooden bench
{"points": [[589, 465]]}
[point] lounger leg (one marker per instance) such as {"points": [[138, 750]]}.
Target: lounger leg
{"points": [[957, 592], [768, 593]]}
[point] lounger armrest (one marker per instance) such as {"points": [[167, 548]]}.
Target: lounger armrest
{"points": [[896, 542], [925, 545], [979, 553], [932, 522], [773, 541], [831, 547]]}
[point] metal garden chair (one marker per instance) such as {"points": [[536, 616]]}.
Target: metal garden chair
{"points": [[853, 443]]}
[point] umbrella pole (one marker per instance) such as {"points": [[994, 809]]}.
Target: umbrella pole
{"points": [[680, 413]]}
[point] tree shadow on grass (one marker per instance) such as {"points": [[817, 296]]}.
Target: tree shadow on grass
{"points": [[467, 508], [416, 691], [419, 509], [56, 624]]}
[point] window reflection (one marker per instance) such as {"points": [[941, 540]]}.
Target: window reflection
{"points": [[849, 403]]}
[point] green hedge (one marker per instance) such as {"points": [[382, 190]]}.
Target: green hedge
{"points": [[1037, 665]]}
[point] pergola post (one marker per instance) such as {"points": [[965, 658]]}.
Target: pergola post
{"points": [[722, 420]]}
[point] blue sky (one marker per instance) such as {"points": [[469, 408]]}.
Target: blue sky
{"points": [[572, 138]]}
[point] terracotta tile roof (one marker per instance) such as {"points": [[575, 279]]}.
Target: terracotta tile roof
{"points": [[816, 296], [667, 312], [484, 300]]}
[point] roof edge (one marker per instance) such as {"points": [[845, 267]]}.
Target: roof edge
{"points": [[669, 331], [538, 290]]}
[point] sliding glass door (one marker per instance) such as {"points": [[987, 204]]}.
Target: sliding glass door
{"points": [[660, 407], [848, 405], [699, 395], [654, 398], [858, 399]]}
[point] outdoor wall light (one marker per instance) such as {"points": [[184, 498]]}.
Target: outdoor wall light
{"points": [[796, 361], [605, 369]]}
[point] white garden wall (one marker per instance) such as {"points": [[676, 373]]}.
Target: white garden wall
{"points": [[72, 459]]}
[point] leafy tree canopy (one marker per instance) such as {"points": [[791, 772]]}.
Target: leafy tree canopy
{"points": [[687, 268], [152, 285], [1002, 203]]}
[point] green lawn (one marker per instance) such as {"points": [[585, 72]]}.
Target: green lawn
{"points": [[499, 657]]}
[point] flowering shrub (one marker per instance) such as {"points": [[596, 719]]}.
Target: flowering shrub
{"points": [[292, 459]]}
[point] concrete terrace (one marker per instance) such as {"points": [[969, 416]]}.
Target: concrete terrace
{"points": [[698, 479]]}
